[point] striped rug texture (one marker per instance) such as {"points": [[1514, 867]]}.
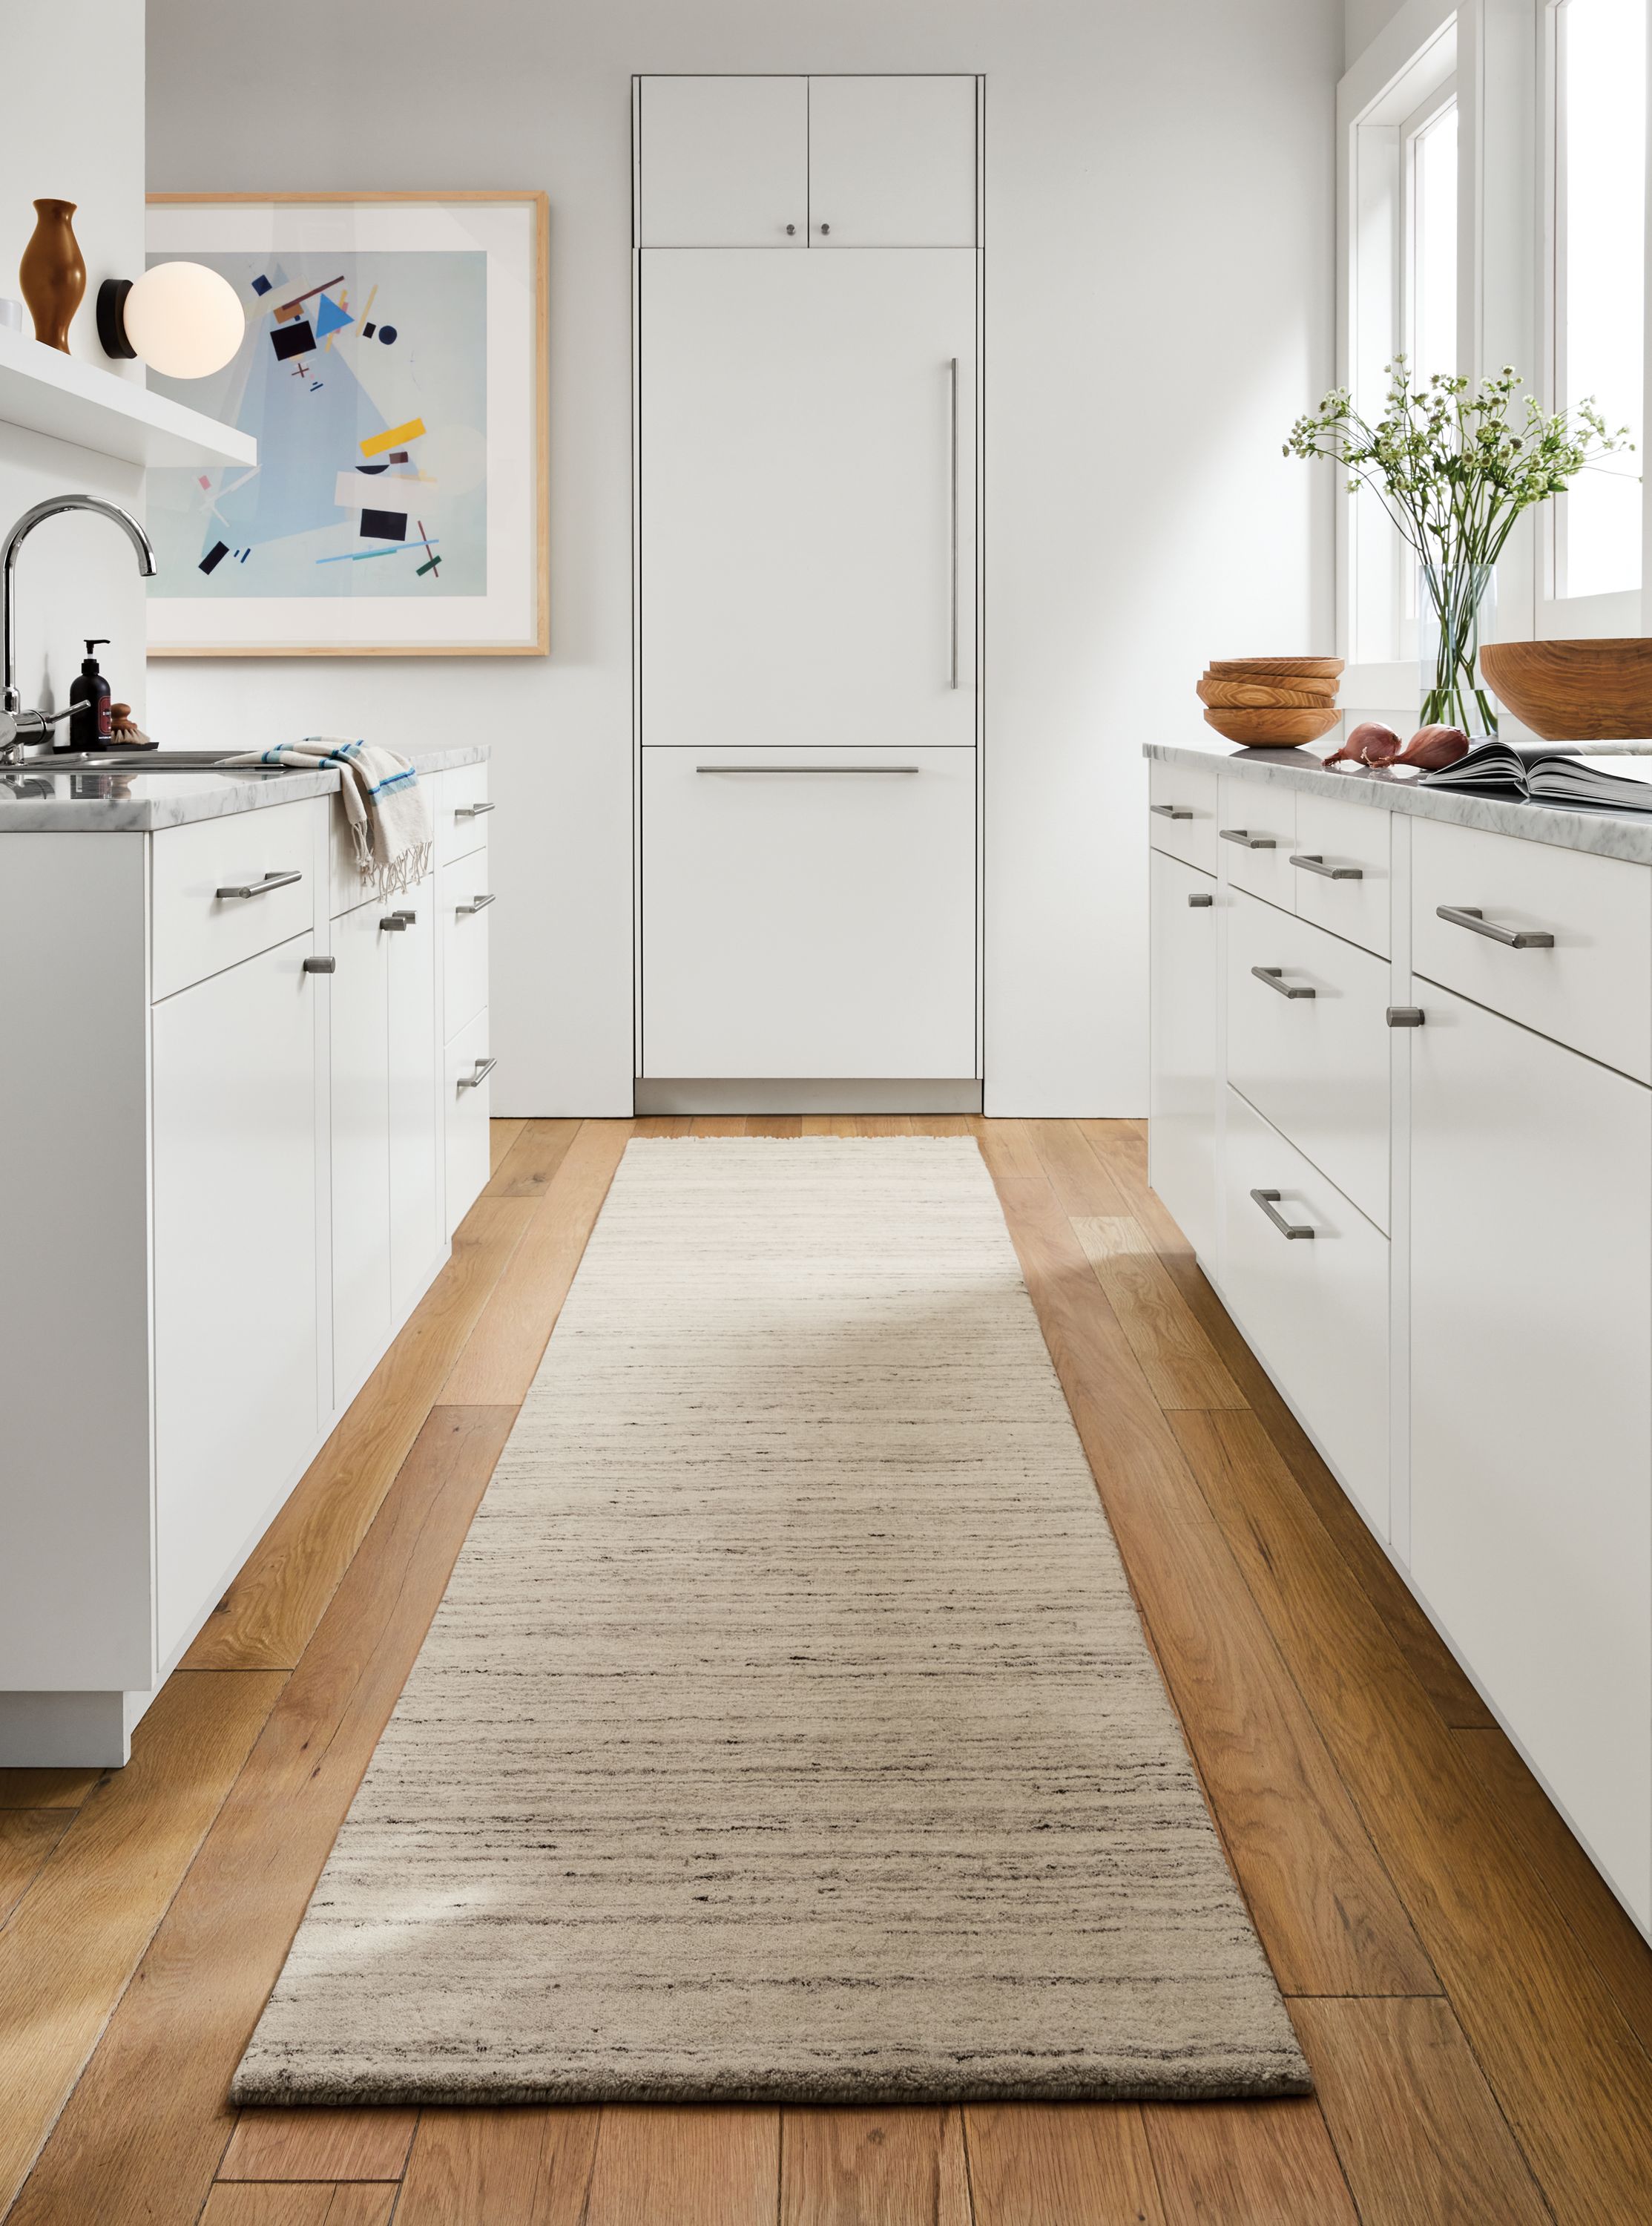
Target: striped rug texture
{"points": [[787, 1731]]}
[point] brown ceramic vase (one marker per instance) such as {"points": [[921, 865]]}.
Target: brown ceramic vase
{"points": [[52, 274]]}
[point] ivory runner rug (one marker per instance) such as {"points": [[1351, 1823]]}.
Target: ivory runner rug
{"points": [[787, 1731]]}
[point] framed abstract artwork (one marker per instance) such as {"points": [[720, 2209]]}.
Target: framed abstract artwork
{"points": [[394, 377]]}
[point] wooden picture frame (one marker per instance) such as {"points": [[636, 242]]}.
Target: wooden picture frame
{"points": [[469, 271]]}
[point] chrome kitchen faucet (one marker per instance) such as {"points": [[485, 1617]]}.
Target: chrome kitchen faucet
{"points": [[18, 727]]}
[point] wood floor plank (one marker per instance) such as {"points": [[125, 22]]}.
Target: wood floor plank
{"points": [[941, 1124], [829, 1124], [70, 1950], [275, 2203], [27, 1838], [1603, 1927], [774, 1124], [899, 2166], [140, 2137], [318, 2145], [1179, 1362], [1526, 1993], [1418, 2131], [528, 1168], [718, 1124], [1007, 1146], [1042, 2164], [1325, 1908], [883, 1124], [662, 1124], [508, 1342], [267, 1617], [517, 2167], [1249, 2164], [1077, 1174], [685, 2168], [46, 1788], [1124, 1152], [501, 1134]]}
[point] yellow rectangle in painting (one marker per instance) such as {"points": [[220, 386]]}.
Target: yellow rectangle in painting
{"points": [[398, 436]]}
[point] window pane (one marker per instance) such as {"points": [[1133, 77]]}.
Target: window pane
{"points": [[1433, 247], [1601, 278]]}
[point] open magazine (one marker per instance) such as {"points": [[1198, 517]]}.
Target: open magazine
{"points": [[1546, 773]]}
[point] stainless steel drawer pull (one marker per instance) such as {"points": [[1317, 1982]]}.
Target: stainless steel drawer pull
{"points": [[1516, 939], [471, 810], [804, 769], [483, 1068], [1404, 1016], [1273, 977], [1169, 811], [1312, 861], [1246, 840], [476, 904], [1198, 901], [395, 924], [320, 966], [260, 889], [1269, 1200]]}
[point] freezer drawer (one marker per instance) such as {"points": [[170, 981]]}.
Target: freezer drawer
{"points": [[809, 913]]}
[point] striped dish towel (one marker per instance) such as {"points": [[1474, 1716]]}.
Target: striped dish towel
{"points": [[385, 807]]}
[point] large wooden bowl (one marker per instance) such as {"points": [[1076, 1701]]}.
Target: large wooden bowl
{"points": [[1259, 695], [1275, 668], [1274, 729], [1575, 691]]}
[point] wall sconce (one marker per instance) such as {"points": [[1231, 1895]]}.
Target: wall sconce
{"points": [[180, 318]]}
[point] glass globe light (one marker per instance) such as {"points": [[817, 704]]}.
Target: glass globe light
{"points": [[183, 320]]}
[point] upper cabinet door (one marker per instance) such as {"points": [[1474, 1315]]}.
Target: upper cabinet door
{"points": [[892, 162], [723, 161]]}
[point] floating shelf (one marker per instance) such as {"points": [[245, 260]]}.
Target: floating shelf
{"points": [[45, 391]]}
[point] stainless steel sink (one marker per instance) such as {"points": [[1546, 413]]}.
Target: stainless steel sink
{"points": [[131, 761]]}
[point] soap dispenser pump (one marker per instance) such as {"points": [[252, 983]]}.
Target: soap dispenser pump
{"points": [[91, 727]]}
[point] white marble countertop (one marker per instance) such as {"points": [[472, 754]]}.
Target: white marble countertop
{"points": [[35, 798], [1609, 834]]}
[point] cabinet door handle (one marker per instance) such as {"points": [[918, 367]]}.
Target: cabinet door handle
{"points": [[1404, 1016], [1312, 861], [1268, 1201], [1273, 977], [476, 904], [1169, 811], [1516, 939], [804, 769], [411, 918], [1243, 836], [320, 966], [483, 1068], [1199, 900], [952, 510], [396, 923], [471, 810], [260, 889]]}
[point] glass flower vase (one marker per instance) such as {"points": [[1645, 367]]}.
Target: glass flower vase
{"points": [[1453, 602]]}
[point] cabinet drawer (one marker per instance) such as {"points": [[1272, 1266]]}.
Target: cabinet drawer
{"points": [[460, 807], [1181, 1106], [198, 928], [1591, 988], [1255, 835], [1315, 1308], [1181, 812], [465, 1099], [809, 913], [1340, 866], [1308, 1044], [463, 901]]}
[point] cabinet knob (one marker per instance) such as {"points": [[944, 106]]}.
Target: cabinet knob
{"points": [[320, 966], [791, 232], [825, 227]]}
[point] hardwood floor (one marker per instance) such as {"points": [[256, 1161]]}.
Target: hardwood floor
{"points": [[1477, 2008]]}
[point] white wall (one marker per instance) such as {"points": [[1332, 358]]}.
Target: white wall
{"points": [[1160, 306], [77, 575]]}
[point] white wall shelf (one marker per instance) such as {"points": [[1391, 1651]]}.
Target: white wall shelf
{"points": [[48, 393]]}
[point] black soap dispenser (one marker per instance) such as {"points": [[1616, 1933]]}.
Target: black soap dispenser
{"points": [[90, 725]]}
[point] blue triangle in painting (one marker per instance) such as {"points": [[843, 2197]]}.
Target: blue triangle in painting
{"points": [[330, 318]]}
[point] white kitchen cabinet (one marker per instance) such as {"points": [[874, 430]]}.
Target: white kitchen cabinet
{"points": [[235, 1332], [722, 161], [1182, 805], [1340, 858], [892, 162], [809, 913], [414, 1103], [1531, 1450], [1182, 1102], [808, 500], [1256, 832], [359, 998], [464, 908], [467, 1065]]}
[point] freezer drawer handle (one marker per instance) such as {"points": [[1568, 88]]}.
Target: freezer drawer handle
{"points": [[1268, 1199], [483, 1068], [1312, 862], [1200, 900], [805, 769], [258, 889], [1273, 977], [1169, 811], [1246, 839], [1516, 939], [476, 904]]}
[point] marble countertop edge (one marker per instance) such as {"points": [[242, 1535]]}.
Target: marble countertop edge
{"points": [[177, 799]]}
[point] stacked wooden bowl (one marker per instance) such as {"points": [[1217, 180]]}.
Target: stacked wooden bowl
{"points": [[1271, 703]]}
